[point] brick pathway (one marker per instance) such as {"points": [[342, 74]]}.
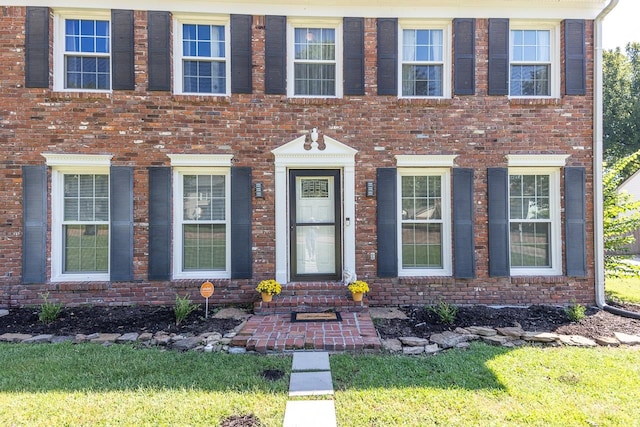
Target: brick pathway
{"points": [[276, 333]]}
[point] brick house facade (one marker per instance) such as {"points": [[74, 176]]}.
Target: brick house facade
{"points": [[437, 152]]}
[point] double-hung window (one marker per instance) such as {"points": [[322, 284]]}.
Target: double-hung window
{"points": [[534, 217], [425, 58], [315, 59], [424, 221], [80, 235], [202, 64], [534, 61], [83, 52], [202, 217]]}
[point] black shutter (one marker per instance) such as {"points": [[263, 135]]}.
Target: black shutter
{"points": [[498, 57], [464, 60], [121, 224], [241, 53], [498, 189], [575, 210], [387, 56], [575, 65], [387, 219], [122, 49], [159, 223], [353, 56], [159, 61], [463, 233], [37, 47], [34, 218], [241, 261], [275, 79]]}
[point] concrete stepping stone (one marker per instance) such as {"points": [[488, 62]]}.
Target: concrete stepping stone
{"points": [[310, 361], [311, 384], [310, 413]]}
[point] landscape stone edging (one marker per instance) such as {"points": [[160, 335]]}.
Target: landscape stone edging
{"points": [[207, 341], [505, 337]]}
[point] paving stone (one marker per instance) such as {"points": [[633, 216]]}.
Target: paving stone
{"points": [[231, 313], [310, 383], [627, 339], [58, 339], [483, 331], [104, 338], [448, 339], [608, 341], [408, 350], [128, 337], [540, 336], [310, 413], [39, 339], [4, 312], [392, 344], [386, 313], [145, 336], [512, 331], [237, 350], [80, 339], [434, 348], [310, 361], [413, 341], [10, 337], [186, 343], [577, 341], [498, 340]]}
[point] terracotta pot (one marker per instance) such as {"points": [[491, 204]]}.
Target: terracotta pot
{"points": [[357, 296], [266, 297]]}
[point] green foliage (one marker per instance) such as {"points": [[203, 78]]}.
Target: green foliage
{"points": [[575, 312], [621, 102], [621, 218], [446, 312], [183, 308], [49, 311]]}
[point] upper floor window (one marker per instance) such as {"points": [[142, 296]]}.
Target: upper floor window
{"points": [[424, 59], [534, 65], [315, 65], [83, 46], [202, 63]]}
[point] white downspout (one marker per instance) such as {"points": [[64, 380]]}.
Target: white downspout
{"points": [[598, 204]]}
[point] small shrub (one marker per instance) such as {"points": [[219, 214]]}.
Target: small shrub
{"points": [[575, 312], [49, 311], [183, 308], [446, 312]]}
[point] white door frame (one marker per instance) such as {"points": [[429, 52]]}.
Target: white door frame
{"points": [[294, 155]]}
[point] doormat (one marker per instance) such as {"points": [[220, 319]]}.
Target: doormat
{"points": [[330, 316]]}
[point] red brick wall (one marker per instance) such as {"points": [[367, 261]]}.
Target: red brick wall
{"points": [[140, 128]]}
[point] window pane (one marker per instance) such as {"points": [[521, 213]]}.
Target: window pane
{"points": [[86, 248], [315, 79], [204, 246], [530, 80], [204, 77], [530, 244], [421, 246]]}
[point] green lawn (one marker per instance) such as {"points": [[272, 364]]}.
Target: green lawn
{"points": [[118, 385], [624, 290]]}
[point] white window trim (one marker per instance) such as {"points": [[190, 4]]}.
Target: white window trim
{"points": [[555, 238], [59, 17], [195, 18], [62, 164], [537, 160], [447, 39], [178, 215], [292, 24], [554, 72], [447, 255]]}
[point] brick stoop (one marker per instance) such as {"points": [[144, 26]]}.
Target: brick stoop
{"points": [[307, 297]]}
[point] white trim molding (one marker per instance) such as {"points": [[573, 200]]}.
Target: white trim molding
{"points": [[537, 160], [439, 161], [77, 160], [295, 155], [205, 160]]}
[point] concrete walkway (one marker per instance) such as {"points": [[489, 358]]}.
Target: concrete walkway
{"points": [[310, 376]]}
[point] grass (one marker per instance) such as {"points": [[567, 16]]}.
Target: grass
{"points": [[623, 290], [485, 386]]}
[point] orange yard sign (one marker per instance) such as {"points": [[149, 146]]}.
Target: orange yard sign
{"points": [[206, 290]]}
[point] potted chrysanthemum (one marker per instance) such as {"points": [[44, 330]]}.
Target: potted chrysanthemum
{"points": [[268, 288], [358, 288]]}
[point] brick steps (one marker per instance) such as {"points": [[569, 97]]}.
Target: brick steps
{"points": [[305, 297]]}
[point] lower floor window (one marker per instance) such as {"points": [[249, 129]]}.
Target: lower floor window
{"points": [[204, 246], [86, 248], [533, 220], [424, 235]]}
